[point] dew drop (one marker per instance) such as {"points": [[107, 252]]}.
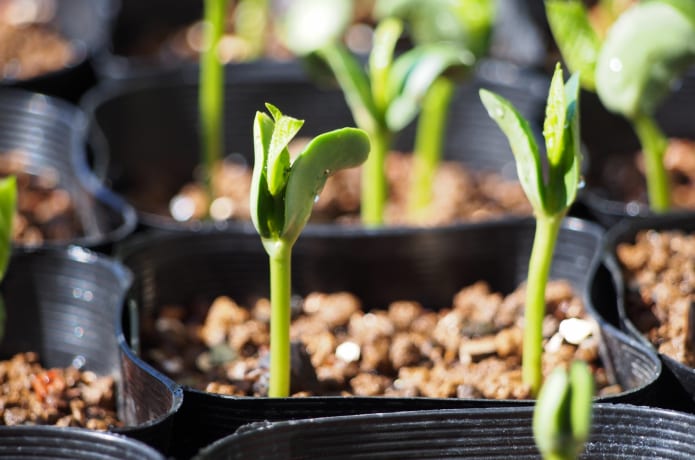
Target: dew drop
{"points": [[498, 113], [615, 64], [316, 198], [582, 183]]}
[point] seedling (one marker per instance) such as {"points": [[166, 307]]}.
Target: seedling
{"points": [[8, 204], [466, 24], [562, 415], [283, 192], [211, 91], [550, 195], [386, 96], [633, 69]]}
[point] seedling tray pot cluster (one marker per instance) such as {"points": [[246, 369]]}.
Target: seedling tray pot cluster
{"points": [[64, 303], [50, 135], [618, 431], [428, 266]]}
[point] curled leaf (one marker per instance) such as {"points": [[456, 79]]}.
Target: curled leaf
{"points": [[524, 147], [323, 156]]}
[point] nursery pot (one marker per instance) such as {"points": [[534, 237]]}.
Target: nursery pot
{"points": [[144, 132], [615, 189], [86, 25], [681, 376], [47, 136], [64, 304], [424, 265], [24, 442], [618, 431]]}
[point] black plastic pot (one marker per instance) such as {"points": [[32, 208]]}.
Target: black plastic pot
{"points": [[682, 377], [618, 431], [144, 132], [64, 304], [427, 266], [610, 141], [51, 135], [86, 24], [23, 442]]}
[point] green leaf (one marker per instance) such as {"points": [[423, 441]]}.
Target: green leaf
{"points": [[555, 111], [355, 85], [582, 387], [465, 23], [8, 205], [278, 161], [572, 154], [524, 147], [261, 201], [386, 35], [685, 7], [551, 428], [324, 155], [633, 83], [413, 74], [309, 25], [576, 38]]}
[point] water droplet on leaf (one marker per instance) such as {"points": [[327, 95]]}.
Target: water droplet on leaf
{"points": [[615, 64]]}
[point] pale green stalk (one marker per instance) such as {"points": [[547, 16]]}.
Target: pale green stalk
{"points": [[547, 230], [211, 92], [654, 145], [429, 140], [280, 256]]}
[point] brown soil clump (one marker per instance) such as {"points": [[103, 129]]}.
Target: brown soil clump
{"points": [[33, 395], [459, 194], [471, 349], [659, 269]]}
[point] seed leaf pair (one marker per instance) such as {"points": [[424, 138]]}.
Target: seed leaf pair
{"points": [[283, 191]]}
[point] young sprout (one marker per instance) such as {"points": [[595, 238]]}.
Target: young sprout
{"points": [[211, 91], [562, 414], [386, 96], [550, 195], [8, 204], [633, 69], [283, 192], [466, 24]]}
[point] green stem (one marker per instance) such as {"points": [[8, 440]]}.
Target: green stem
{"points": [[374, 185], [547, 230], [280, 311], [654, 145], [429, 140], [211, 93]]}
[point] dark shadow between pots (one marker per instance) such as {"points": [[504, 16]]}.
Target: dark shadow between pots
{"points": [[23, 442], [614, 191], [425, 265], [680, 378], [48, 137], [144, 132], [86, 25], [64, 304]]}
